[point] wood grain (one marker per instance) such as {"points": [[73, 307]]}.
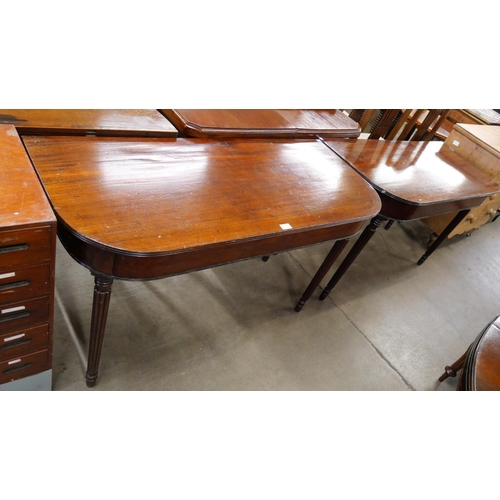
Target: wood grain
{"points": [[197, 202], [423, 176], [105, 122], [263, 123]]}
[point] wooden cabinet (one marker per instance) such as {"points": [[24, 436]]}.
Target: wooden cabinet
{"points": [[480, 145], [27, 258]]}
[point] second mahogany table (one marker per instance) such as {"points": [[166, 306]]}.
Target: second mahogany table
{"points": [[414, 180], [141, 209]]}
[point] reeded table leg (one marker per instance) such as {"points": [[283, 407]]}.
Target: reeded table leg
{"points": [[320, 274], [449, 228], [102, 294], [365, 237]]}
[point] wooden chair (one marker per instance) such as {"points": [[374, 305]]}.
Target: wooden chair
{"points": [[480, 364], [401, 124]]}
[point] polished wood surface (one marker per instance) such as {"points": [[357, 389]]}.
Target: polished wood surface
{"points": [[263, 123], [151, 208], [23, 200], [27, 264], [416, 179], [106, 122], [154, 198], [480, 146]]}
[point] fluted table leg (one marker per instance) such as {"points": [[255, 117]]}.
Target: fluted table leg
{"points": [[365, 237], [320, 274], [102, 294]]}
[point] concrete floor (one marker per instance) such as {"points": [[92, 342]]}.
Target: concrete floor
{"points": [[389, 325]]}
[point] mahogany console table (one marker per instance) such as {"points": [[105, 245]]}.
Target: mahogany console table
{"points": [[108, 122], [414, 180], [139, 209], [263, 123]]}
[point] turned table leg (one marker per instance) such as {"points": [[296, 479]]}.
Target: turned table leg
{"points": [[365, 237], [448, 229], [320, 274], [102, 294], [451, 371]]}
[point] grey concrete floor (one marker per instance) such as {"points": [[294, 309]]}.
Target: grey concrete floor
{"points": [[389, 325]]}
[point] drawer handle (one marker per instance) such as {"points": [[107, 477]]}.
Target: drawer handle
{"points": [[15, 344], [14, 248], [17, 368], [14, 284], [11, 317]]}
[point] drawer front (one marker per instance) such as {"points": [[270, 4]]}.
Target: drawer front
{"points": [[24, 342], [24, 247], [18, 315], [24, 284], [23, 366]]}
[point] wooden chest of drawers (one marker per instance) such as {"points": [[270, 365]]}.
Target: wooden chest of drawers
{"points": [[480, 145], [27, 258]]}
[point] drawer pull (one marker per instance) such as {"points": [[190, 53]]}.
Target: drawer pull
{"points": [[11, 317], [15, 344], [17, 368], [14, 248], [14, 284]]}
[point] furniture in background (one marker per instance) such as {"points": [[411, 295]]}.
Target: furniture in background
{"points": [[141, 209], [414, 180], [27, 268], [262, 123], [400, 124], [108, 122], [479, 145], [480, 364]]}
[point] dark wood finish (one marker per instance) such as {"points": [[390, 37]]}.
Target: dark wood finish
{"points": [[106, 122], [32, 339], [414, 180], [27, 264], [320, 274], [481, 363], [263, 123], [144, 209], [23, 366]]}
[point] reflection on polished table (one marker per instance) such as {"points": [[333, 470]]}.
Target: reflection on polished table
{"points": [[263, 123], [414, 180], [148, 208], [108, 122]]}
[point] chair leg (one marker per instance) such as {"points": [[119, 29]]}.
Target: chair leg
{"points": [[320, 274], [451, 371], [351, 256], [389, 224], [448, 229]]}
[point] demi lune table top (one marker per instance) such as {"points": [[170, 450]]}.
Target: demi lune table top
{"points": [[161, 197]]}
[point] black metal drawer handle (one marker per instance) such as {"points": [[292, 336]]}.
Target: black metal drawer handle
{"points": [[14, 248], [11, 317], [15, 344], [17, 368], [15, 284]]}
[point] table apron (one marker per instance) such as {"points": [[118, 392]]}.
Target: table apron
{"points": [[117, 265]]}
